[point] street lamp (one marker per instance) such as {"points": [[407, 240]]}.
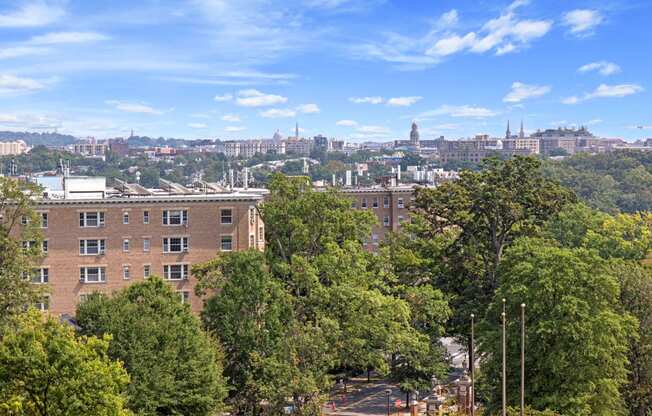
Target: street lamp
{"points": [[504, 316], [472, 358], [522, 359], [388, 392]]}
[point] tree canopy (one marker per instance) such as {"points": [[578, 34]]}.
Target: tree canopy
{"points": [[175, 368]]}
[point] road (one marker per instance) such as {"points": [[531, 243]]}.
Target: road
{"points": [[366, 400]]}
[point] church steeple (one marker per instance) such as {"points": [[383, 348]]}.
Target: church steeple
{"points": [[521, 134], [508, 133]]}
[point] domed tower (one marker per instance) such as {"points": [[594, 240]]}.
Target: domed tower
{"points": [[414, 135]]}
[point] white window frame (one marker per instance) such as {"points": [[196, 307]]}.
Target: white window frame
{"points": [[43, 304], [147, 244], [146, 218], [385, 202], [386, 222], [147, 270], [375, 203], [400, 203], [40, 276], [184, 296], [184, 244], [44, 220], [84, 247], [126, 272], [222, 241], [84, 220], [184, 271], [125, 218], [175, 217], [84, 273], [125, 245], [364, 204], [230, 216]]}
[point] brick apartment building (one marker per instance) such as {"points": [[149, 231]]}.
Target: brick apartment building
{"points": [[390, 204], [101, 239]]}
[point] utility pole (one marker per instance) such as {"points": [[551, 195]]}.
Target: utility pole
{"points": [[504, 316], [472, 359], [522, 359]]}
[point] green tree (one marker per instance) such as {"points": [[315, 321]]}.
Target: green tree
{"points": [[175, 368], [576, 336], [20, 223], [476, 218], [45, 369]]}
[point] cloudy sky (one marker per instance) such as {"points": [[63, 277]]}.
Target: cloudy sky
{"points": [[354, 69]]}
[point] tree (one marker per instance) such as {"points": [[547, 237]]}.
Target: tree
{"points": [[19, 223], [175, 367], [45, 369], [477, 217], [576, 337], [636, 299]]}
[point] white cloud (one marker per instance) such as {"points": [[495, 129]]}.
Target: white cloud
{"points": [[278, 113], [521, 91], [223, 98], [308, 109], [582, 22], [233, 129], [197, 125], [603, 67], [452, 44], [56, 38], [346, 123], [32, 14], [594, 121], [367, 100], [255, 98], [403, 101], [18, 51], [11, 84], [504, 34], [133, 107], [450, 18], [466, 111], [29, 121], [231, 118], [606, 91]]}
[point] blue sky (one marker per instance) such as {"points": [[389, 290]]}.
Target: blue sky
{"points": [[352, 69]]}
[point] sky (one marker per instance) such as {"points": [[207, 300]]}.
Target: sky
{"points": [[357, 70]]}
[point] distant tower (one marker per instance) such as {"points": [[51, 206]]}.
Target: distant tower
{"points": [[132, 133], [296, 131], [414, 135], [521, 133], [508, 133]]}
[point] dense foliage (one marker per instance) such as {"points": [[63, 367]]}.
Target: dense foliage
{"points": [[45, 369], [175, 368]]}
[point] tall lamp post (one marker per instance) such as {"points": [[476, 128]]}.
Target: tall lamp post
{"points": [[522, 359], [388, 392], [504, 316], [472, 359]]}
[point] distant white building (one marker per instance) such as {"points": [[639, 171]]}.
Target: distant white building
{"points": [[17, 147]]}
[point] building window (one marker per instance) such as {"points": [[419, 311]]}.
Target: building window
{"points": [[364, 203], [44, 246], [184, 296], [374, 203], [92, 274], [386, 220], [125, 245], [40, 276], [400, 219], [146, 244], [400, 203], [43, 304], [261, 233], [386, 202], [91, 219], [92, 247], [175, 244], [175, 217], [145, 217], [175, 271], [147, 270], [125, 272], [354, 204], [226, 243], [44, 220], [252, 240], [226, 216], [125, 218], [24, 220], [252, 215]]}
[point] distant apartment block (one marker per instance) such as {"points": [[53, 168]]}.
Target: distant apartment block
{"points": [[248, 148], [90, 148], [101, 239], [390, 204], [17, 147]]}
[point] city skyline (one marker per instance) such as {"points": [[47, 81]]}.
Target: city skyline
{"points": [[357, 70]]}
